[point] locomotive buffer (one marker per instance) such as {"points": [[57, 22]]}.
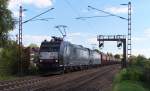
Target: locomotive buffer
{"points": [[120, 39]]}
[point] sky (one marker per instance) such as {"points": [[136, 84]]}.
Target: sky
{"points": [[84, 31]]}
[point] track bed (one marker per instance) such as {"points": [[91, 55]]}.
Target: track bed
{"points": [[97, 79]]}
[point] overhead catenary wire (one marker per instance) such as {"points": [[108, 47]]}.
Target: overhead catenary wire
{"points": [[92, 17], [70, 5], [76, 12], [43, 19], [107, 13], [38, 15]]}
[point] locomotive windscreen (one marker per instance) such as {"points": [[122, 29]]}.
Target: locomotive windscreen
{"points": [[49, 50], [49, 47]]}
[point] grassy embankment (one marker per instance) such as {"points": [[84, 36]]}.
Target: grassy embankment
{"points": [[134, 78], [6, 77]]}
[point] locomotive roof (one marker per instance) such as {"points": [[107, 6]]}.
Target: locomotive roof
{"points": [[74, 45]]}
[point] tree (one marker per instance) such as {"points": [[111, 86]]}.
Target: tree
{"points": [[117, 56], [110, 54], [96, 50], [7, 22], [9, 59], [33, 45]]}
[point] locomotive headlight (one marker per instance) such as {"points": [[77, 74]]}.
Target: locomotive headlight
{"points": [[41, 60], [56, 60]]}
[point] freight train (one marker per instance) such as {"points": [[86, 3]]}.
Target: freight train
{"points": [[58, 55]]}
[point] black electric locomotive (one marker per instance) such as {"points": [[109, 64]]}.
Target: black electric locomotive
{"points": [[58, 55]]}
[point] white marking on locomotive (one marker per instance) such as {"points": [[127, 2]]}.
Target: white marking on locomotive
{"points": [[48, 55]]}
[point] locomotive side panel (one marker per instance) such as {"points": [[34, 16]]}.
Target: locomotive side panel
{"points": [[96, 58], [83, 55], [75, 55]]}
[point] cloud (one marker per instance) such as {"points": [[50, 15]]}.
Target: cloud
{"points": [[142, 51], [92, 40], [139, 39], [147, 32], [14, 4], [38, 3], [142, 38], [117, 10], [16, 13], [74, 34], [37, 39]]}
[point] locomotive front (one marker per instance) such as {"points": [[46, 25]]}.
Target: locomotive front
{"points": [[49, 55]]}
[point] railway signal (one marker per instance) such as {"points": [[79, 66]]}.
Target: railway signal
{"points": [[101, 44], [119, 44], [121, 39]]}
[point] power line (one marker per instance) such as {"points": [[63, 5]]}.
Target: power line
{"points": [[73, 9], [76, 12], [92, 17], [42, 19], [107, 13], [37, 15]]}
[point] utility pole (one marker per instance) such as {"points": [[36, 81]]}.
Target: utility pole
{"points": [[20, 66], [129, 31], [17, 38], [20, 40], [129, 42]]}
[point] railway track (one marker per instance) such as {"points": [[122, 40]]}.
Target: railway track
{"points": [[99, 83], [65, 82], [73, 84], [13, 84], [25, 84]]}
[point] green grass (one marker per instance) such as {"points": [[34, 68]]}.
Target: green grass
{"points": [[129, 86], [6, 77], [130, 80]]}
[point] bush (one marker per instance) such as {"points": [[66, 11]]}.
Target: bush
{"points": [[134, 74], [9, 61], [33, 70], [129, 86], [138, 61], [146, 74], [122, 75], [135, 77]]}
